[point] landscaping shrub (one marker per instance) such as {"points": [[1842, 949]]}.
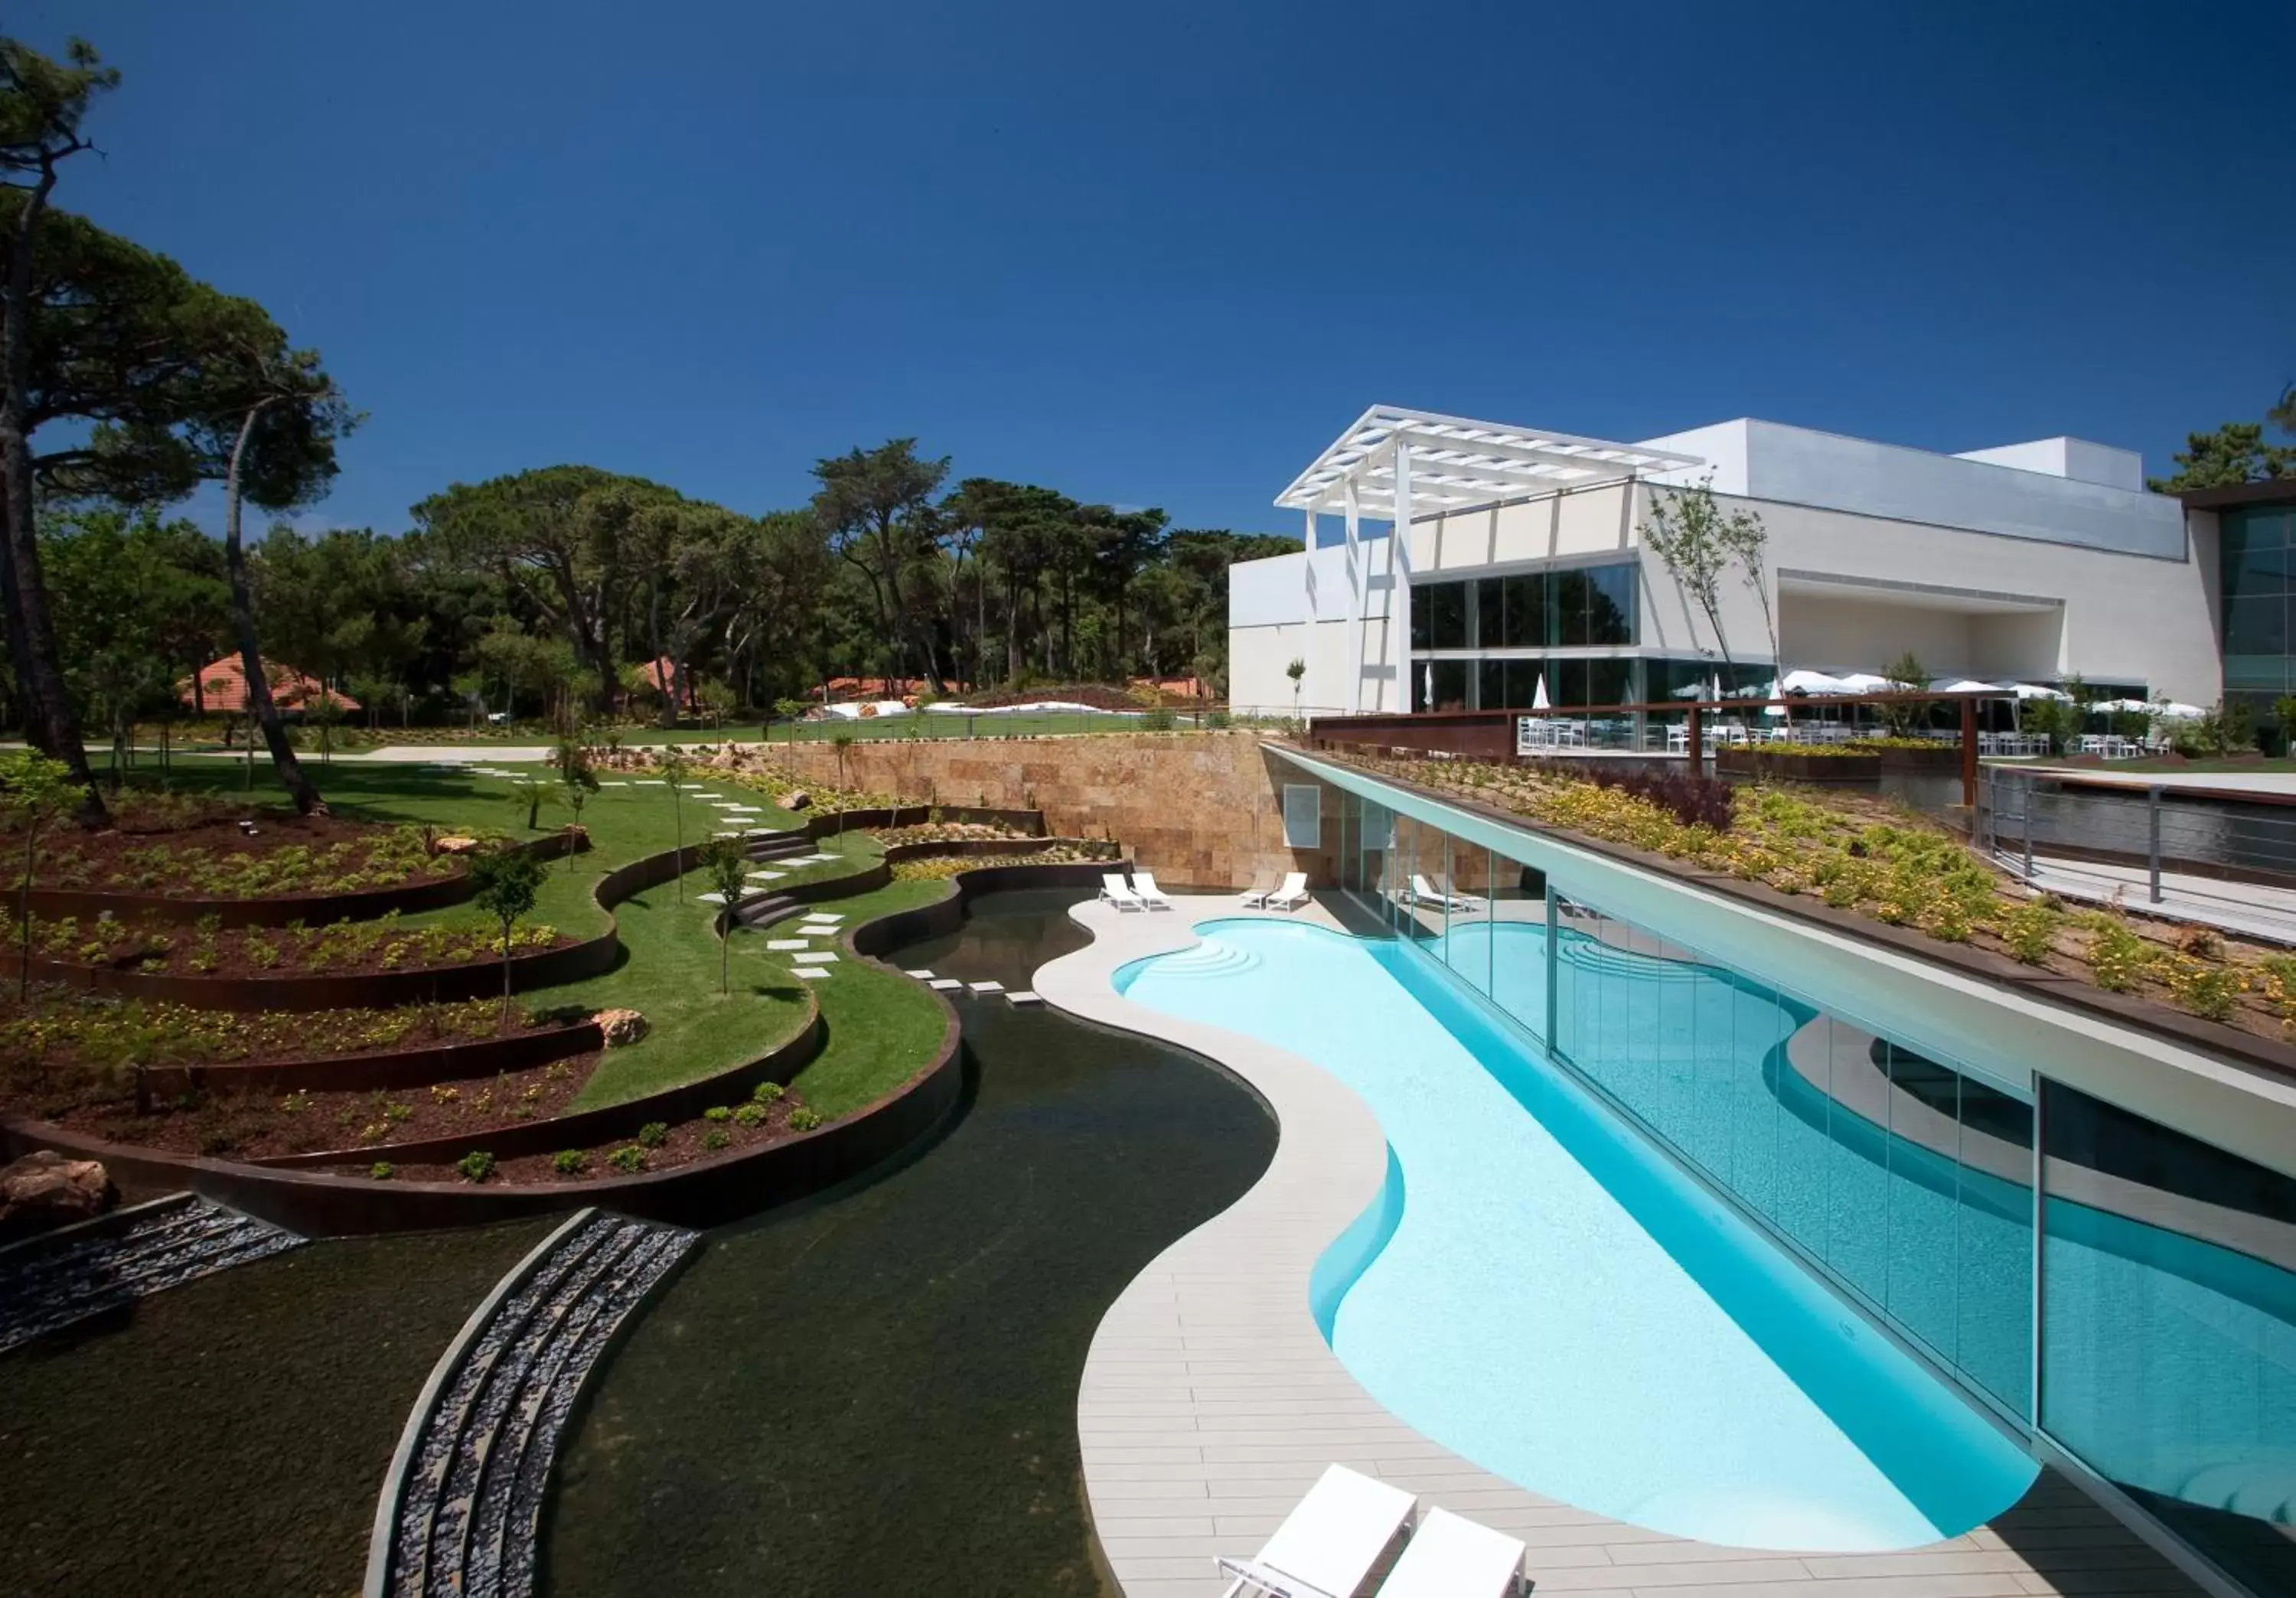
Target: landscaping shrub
{"points": [[2030, 931], [766, 1093], [714, 1139], [570, 1162], [653, 1134], [381, 1170], [750, 1115], [629, 1159], [804, 1119], [717, 1112], [476, 1166], [1156, 719], [1694, 801]]}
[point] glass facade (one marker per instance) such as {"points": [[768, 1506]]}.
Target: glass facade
{"points": [[1580, 607], [2166, 1268], [2168, 1328], [2256, 550]]}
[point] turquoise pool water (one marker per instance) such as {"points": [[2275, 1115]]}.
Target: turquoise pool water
{"points": [[1541, 1291]]}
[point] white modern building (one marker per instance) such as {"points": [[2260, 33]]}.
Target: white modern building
{"points": [[1525, 567]]}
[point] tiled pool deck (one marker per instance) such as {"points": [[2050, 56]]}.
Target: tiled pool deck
{"points": [[1211, 1402]]}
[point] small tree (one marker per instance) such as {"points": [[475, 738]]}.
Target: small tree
{"points": [[1297, 671], [471, 688], [2283, 712], [841, 740], [1906, 674], [789, 711], [577, 783], [1747, 540], [1691, 534], [728, 866], [509, 880], [675, 767], [717, 699], [529, 794], [326, 711], [34, 791]]}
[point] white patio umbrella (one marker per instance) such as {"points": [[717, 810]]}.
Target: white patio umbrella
{"points": [[2171, 709], [1964, 686], [2141, 706], [1427, 680], [1815, 682], [2031, 691], [1865, 682], [1538, 701]]}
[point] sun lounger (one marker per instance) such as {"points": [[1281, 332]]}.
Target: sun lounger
{"points": [[1330, 1544], [1424, 892], [1450, 1557], [1263, 883], [1291, 895], [1118, 892], [1143, 883]]}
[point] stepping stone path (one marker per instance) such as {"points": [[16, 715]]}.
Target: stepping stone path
{"points": [[783, 944], [944, 985], [48, 1282], [814, 957], [477, 1461], [989, 988], [810, 973], [1021, 996], [922, 976], [767, 876]]}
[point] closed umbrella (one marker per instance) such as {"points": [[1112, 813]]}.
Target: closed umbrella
{"points": [[1538, 701]]}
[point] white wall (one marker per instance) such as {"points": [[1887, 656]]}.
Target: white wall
{"points": [[2125, 618], [2095, 501], [1860, 633], [2075, 458]]}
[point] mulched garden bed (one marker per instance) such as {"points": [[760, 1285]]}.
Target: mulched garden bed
{"points": [[248, 1127], [64, 1034], [946, 832], [342, 949], [185, 848], [658, 1147]]}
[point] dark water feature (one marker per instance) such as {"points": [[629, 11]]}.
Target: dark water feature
{"points": [[877, 1393], [229, 1437]]}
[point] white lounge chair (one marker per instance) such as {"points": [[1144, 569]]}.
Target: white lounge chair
{"points": [[1143, 883], [1450, 1557], [1331, 1542], [1118, 892], [1424, 892], [1263, 883], [1291, 896]]}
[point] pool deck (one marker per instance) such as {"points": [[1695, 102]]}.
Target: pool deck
{"points": [[1211, 1402]]}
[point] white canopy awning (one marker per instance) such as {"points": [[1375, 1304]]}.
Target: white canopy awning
{"points": [[1964, 686], [1457, 464]]}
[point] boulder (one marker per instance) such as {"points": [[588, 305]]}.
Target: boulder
{"points": [[45, 1190], [456, 846], [620, 1026], [797, 801]]}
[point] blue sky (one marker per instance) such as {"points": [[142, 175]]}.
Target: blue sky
{"points": [[1162, 255]]}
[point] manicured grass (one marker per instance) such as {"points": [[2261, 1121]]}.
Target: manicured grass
{"points": [[882, 1027]]}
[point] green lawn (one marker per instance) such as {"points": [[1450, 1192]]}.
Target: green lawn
{"points": [[2260, 766], [882, 1027]]}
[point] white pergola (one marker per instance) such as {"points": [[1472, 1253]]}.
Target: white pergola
{"points": [[1403, 466]]}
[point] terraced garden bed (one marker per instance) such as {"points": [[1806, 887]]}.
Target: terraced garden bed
{"points": [[751, 1123], [213, 850], [341, 949]]}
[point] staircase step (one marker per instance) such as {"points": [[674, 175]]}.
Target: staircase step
{"points": [[158, 1246], [462, 1506]]}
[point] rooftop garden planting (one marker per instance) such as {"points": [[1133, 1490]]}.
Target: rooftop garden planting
{"points": [[1885, 864], [949, 832]]}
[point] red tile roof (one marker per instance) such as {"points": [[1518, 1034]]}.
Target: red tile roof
{"points": [[223, 687]]}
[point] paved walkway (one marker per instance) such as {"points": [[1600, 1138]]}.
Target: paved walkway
{"points": [[1211, 1402], [2253, 909]]}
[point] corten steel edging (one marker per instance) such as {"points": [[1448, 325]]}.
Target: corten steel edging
{"points": [[383, 1069], [511, 1140], [312, 910], [2072, 993], [702, 1193]]}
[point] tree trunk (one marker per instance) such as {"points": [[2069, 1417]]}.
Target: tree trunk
{"points": [[259, 702], [52, 723]]}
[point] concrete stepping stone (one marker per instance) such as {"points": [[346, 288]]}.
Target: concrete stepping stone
{"points": [[711, 898], [1021, 996], [810, 973], [649, 782], [922, 976], [991, 986], [815, 957], [767, 876], [944, 985], [783, 945]]}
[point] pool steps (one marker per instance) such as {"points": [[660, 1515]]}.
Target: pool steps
{"points": [[49, 1283], [462, 1506]]}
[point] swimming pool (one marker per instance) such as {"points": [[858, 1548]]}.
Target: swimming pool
{"points": [[1542, 1291]]}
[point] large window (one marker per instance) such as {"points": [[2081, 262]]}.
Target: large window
{"points": [[2257, 558], [1586, 607]]}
